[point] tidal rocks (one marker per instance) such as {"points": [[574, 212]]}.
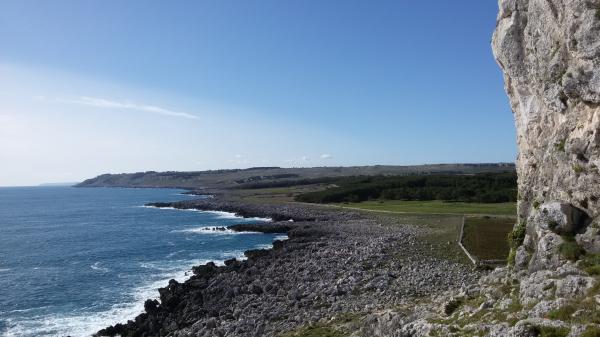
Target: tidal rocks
{"points": [[327, 267], [276, 227]]}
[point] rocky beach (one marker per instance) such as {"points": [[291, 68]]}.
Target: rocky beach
{"points": [[337, 269]]}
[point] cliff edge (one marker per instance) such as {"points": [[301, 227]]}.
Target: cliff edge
{"points": [[549, 52]]}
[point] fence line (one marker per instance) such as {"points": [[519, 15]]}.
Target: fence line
{"points": [[473, 259], [460, 237]]}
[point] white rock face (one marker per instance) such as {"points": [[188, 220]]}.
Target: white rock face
{"points": [[549, 51]]}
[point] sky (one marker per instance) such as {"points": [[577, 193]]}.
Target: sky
{"points": [[92, 87]]}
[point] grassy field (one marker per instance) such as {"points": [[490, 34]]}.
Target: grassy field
{"points": [[486, 225], [485, 232], [485, 237], [435, 207], [274, 195], [442, 232]]}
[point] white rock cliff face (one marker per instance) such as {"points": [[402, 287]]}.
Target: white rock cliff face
{"points": [[549, 51]]}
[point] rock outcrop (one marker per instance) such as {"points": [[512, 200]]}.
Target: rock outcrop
{"points": [[549, 51]]}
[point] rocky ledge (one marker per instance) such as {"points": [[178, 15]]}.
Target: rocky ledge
{"points": [[338, 264]]}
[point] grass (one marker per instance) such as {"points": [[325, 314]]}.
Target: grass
{"points": [[560, 146], [591, 331], [335, 328], [451, 306], [273, 195], [443, 219], [484, 237], [578, 169], [515, 239], [316, 330], [435, 207], [517, 235], [591, 264], [563, 313], [548, 331], [441, 232], [569, 249]]}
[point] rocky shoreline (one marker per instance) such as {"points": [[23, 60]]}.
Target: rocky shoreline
{"points": [[334, 264]]}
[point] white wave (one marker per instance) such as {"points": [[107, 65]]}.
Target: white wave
{"points": [[218, 230], [281, 237], [170, 255], [4, 269], [219, 214], [233, 216], [29, 309], [96, 266], [233, 254], [86, 323]]}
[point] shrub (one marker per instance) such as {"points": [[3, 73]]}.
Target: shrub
{"points": [[316, 330], [591, 331], [451, 306], [517, 235], [563, 313], [591, 264], [515, 240], [560, 146], [548, 331], [569, 249], [578, 169], [512, 254]]}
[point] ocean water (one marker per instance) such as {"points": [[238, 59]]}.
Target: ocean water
{"points": [[74, 260]]}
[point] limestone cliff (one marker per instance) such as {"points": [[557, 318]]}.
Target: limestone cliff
{"points": [[549, 52]]}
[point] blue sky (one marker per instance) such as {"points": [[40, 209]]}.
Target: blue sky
{"points": [[88, 87]]}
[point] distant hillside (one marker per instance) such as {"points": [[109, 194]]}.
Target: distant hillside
{"points": [[243, 177]]}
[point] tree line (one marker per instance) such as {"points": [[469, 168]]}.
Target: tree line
{"points": [[483, 188]]}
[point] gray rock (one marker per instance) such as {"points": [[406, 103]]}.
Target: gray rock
{"points": [[549, 52]]}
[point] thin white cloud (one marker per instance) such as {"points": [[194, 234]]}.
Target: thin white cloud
{"points": [[110, 104], [238, 159], [297, 160], [326, 156]]}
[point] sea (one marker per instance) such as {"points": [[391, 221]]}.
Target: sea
{"points": [[75, 260]]}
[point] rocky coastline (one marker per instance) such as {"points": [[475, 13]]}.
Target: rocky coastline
{"points": [[337, 267]]}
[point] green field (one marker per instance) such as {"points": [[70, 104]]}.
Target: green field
{"points": [[435, 207], [486, 225], [485, 237]]}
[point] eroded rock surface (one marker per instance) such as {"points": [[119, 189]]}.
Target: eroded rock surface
{"points": [[549, 52]]}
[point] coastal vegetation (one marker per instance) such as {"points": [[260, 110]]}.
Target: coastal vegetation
{"points": [[434, 207], [478, 188]]}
